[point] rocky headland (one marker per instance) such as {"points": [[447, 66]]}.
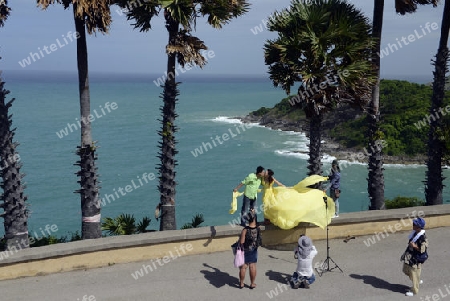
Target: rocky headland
{"points": [[329, 146]]}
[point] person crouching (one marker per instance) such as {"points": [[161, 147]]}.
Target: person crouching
{"points": [[304, 253]]}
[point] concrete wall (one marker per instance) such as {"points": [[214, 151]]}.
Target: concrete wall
{"points": [[158, 248]]}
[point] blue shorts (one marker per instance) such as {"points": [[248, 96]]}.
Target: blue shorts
{"points": [[251, 256]]}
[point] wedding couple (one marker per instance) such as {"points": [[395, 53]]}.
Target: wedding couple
{"points": [[286, 207]]}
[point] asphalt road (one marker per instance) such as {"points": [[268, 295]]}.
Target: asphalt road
{"points": [[371, 271]]}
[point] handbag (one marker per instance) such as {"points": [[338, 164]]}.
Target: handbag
{"points": [[239, 258], [234, 247]]}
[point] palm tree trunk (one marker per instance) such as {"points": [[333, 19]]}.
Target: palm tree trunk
{"points": [[15, 212], [375, 160], [90, 203], [315, 132], [167, 154], [434, 177]]}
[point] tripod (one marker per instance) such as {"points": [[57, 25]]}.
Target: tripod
{"points": [[325, 266]]}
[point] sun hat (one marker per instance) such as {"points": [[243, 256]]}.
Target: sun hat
{"points": [[304, 246], [419, 222]]}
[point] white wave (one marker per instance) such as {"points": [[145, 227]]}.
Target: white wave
{"points": [[232, 120], [226, 119], [342, 163], [393, 165], [287, 153]]}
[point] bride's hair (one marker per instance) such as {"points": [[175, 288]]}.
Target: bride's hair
{"points": [[270, 174]]}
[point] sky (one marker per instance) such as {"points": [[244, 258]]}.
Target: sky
{"points": [[237, 48]]}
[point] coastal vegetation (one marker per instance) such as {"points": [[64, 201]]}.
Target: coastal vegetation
{"points": [[404, 123], [125, 224], [324, 48], [403, 202], [375, 179], [15, 208], [180, 21], [90, 17], [436, 144], [327, 47], [196, 221]]}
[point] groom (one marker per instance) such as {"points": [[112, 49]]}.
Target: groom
{"points": [[252, 183]]}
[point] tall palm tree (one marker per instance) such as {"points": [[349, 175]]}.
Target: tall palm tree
{"points": [[326, 46], [90, 16], [375, 179], [15, 213], [437, 145], [180, 20]]}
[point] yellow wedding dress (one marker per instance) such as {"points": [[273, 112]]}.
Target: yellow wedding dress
{"points": [[287, 207]]}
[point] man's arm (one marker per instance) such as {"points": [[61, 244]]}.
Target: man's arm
{"points": [[237, 187]]}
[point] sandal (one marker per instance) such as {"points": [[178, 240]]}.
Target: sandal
{"points": [[241, 286], [252, 286]]}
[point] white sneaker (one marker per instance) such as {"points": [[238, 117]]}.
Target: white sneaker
{"points": [[409, 294], [421, 281]]}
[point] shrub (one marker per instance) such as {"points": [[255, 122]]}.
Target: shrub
{"points": [[195, 223], [403, 202]]}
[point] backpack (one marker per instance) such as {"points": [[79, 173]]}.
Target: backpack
{"points": [[253, 239], [420, 257]]}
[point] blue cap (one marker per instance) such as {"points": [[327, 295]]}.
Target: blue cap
{"points": [[419, 222]]}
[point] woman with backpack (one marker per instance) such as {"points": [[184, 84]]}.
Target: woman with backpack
{"points": [[415, 255], [251, 240]]}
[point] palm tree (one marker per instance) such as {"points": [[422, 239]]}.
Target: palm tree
{"points": [[437, 145], [180, 19], [326, 46], [375, 179], [196, 221], [125, 224], [90, 15], [15, 213]]}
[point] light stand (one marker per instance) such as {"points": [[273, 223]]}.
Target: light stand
{"points": [[325, 266]]}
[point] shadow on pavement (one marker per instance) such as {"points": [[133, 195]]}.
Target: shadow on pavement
{"points": [[277, 276], [380, 283], [273, 257], [219, 278]]}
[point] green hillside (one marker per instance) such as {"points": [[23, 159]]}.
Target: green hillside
{"points": [[404, 119]]}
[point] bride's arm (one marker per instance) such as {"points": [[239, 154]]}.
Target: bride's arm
{"points": [[278, 183]]}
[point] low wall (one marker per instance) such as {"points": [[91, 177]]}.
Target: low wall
{"points": [[162, 247]]}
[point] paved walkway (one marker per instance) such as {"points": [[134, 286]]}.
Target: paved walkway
{"points": [[369, 273]]}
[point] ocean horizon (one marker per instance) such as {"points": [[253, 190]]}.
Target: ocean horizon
{"points": [[126, 108]]}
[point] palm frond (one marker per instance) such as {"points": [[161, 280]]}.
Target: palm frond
{"points": [[317, 41], [124, 224], [143, 224], [221, 12], [195, 222], [4, 12], [188, 49], [410, 6], [95, 13]]}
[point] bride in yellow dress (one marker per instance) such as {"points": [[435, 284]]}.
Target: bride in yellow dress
{"points": [[286, 207]]}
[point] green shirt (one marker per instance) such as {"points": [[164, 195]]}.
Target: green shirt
{"points": [[252, 183]]}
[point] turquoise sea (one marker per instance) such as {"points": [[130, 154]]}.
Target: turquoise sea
{"points": [[125, 123]]}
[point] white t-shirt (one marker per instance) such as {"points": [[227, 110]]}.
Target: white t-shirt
{"points": [[304, 265]]}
